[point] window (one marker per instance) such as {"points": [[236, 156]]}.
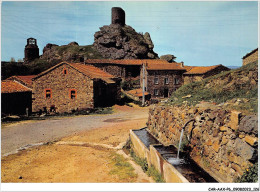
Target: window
{"points": [[176, 81], [48, 93], [156, 80], [156, 92], [166, 80], [31, 41], [65, 71], [73, 94]]}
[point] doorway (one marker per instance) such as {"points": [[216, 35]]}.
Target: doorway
{"points": [[166, 93]]}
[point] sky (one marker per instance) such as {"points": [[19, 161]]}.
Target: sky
{"points": [[199, 33]]}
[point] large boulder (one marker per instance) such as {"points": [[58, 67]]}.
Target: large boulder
{"points": [[168, 57], [123, 42], [249, 124], [243, 149]]}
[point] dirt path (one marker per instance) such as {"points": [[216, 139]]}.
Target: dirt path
{"points": [[21, 134], [82, 157]]}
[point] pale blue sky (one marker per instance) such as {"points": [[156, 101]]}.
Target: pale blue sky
{"points": [[198, 33]]}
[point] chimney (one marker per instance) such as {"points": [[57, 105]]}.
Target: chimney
{"points": [[182, 64]]}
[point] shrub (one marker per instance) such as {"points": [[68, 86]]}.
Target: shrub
{"points": [[250, 175]]}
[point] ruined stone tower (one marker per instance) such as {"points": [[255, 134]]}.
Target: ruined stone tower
{"points": [[31, 50], [118, 16]]}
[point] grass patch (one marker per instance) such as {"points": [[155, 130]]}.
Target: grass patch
{"points": [[155, 174], [222, 88], [150, 171], [122, 168]]}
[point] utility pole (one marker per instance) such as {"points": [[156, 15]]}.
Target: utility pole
{"points": [[143, 99]]}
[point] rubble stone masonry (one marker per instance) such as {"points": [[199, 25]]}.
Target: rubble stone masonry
{"points": [[60, 85], [222, 142], [251, 58]]}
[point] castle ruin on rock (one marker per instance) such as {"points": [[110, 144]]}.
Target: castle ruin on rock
{"points": [[120, 41]]}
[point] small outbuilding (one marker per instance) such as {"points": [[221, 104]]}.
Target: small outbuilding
{"points": [[66, 87], [251, 57], [16, 98], [196, 73]]}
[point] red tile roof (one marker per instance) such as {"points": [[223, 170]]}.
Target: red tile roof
{"points": [[126, 61], [25, 80], [10, 86], [88, 70], [199, 70], [165, 66], [137, 92], [152, 64]]}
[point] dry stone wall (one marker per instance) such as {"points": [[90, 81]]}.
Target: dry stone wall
{"points": [[223, 142]]}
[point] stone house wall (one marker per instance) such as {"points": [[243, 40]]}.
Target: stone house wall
{"points": [[189, 78], [251, 58], [161, 86], [61, 85], [222, 142], [122, 71]]}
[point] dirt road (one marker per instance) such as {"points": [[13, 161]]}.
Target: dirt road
{"points": [[18, 135], [87, 156]]}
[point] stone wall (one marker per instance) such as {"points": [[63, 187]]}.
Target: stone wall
{"points": [[251, 58], [222, 142], [60, 85]]}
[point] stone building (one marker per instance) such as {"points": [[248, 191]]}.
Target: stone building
{"points": [[127, 69], [16, 98], [195, 73], [251, 57], [162, 79], [31, 50], [66, 87]]}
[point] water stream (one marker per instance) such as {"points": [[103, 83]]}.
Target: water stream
{"points": [[180, 143], [177, 160], [180, 160]]}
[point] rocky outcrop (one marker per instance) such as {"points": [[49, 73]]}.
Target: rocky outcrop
{"points": [[168, 57], [72, 52], [123, 42], [223, 142]]}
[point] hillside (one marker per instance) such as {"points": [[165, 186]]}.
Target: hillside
{"points": [[235, 89], [52, 54]]}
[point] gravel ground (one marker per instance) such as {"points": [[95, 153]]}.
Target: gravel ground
{"points": [[29, 133], [82, 157]]}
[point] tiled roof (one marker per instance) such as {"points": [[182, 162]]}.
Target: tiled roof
{"points": [[10, 86], [199, 70], [165, 66], [126, 61], [137, 92], [88, 70], [26, 80], [152, 64], [248, 54]]}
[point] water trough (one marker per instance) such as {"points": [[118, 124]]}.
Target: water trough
{"points": [[164, 159]]}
